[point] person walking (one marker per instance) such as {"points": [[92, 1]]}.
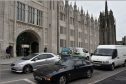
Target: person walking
{"points": [[45, 49], [9, 52]]}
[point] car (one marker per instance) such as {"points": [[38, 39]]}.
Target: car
{"points": [[77, 51], [64, 71], [66, 52], [33, 61]]}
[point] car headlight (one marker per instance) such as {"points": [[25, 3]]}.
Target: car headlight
{"points": [[20, 65], [105, 62], [47, 78]]}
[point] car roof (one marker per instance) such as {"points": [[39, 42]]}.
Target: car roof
{"points": [[75, 58], [44, 53]]}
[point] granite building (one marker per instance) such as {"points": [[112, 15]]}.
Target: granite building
{"points": [[124, 40], [107, 27], [31, 25]]}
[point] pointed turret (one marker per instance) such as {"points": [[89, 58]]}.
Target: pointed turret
{"points": [[92, 17], [87, 14], [75, 6], [106, 8], [81, 10], [66, 2]]}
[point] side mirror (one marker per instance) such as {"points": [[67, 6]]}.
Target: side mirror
{"points": [[92, 54]]}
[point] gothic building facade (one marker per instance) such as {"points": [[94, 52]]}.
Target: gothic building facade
{"points": [[107, 27], [30, 26]]}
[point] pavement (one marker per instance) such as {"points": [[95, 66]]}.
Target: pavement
{"points": [[9, 60], [119, 78]]}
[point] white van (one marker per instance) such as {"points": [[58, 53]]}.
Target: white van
{"points": [[109, 55]]}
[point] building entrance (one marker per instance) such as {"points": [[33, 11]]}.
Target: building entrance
{"points": [[27, 43]]}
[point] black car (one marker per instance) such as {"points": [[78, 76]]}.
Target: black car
{"points": [[64, 71]]}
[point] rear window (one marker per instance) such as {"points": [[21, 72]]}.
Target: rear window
{"points": [[66, 51], [29, 56]]}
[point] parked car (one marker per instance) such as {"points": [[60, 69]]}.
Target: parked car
{"points": [[29, 63], [77, 51], [64, 71], [66, 52], [109, 56]]}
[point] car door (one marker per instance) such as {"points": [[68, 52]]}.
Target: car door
{"points": [[78, 68], [40, 60], [116, 57], [49, 58]]}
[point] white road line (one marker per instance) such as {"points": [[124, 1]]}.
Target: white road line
{"points": [[106, 77], [4, 69], [29, 81], [11, 81]]}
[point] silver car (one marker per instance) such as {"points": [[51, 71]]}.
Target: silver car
{"points": [[32, 62]]}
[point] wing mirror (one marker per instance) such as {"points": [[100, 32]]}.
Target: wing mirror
{"points": [[92, 54]]}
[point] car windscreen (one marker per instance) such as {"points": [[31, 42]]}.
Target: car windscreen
{"points": [[78, 50], [104, 52], [29, 56]]}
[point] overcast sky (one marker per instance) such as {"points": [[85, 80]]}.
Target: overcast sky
{"points": [[118, 7]]}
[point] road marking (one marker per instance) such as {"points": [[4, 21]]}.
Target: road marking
{"points": [[4, 69], [11, 81], [29, 81], [106, 77]]}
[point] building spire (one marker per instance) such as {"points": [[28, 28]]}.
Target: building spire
{"points": [[75, 6], [81, 10], [66, 2], [106, 8]]}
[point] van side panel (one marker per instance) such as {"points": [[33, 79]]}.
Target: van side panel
{"points": [[122, 54]]}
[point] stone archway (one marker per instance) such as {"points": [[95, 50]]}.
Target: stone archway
{"points": [[27, 43]]}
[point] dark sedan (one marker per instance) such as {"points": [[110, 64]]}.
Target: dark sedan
{"points": [[63, 71]]}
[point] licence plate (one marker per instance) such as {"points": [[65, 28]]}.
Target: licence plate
{"points": [[97, 64]]}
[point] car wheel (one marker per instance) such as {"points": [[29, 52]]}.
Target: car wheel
{"points": [[124, 65], [62, 80], [27, 69], [112, 67], [89, 74]]}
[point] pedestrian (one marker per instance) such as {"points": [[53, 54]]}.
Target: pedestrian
{"points": [[45, 49], [9, 51]]}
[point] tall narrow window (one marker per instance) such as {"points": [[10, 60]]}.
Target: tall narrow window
{"points": [[39, 17], [50, 5], [61, 42], [20, 11], [31, 14], [53, 5]]}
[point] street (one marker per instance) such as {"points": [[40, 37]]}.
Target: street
{"points": [[7, 77]]}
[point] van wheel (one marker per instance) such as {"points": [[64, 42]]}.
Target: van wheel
{"points": [[112, 67], [124, 65]]}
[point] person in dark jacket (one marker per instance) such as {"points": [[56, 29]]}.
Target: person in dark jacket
{"points": [[9, 51], [45, 49]]}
